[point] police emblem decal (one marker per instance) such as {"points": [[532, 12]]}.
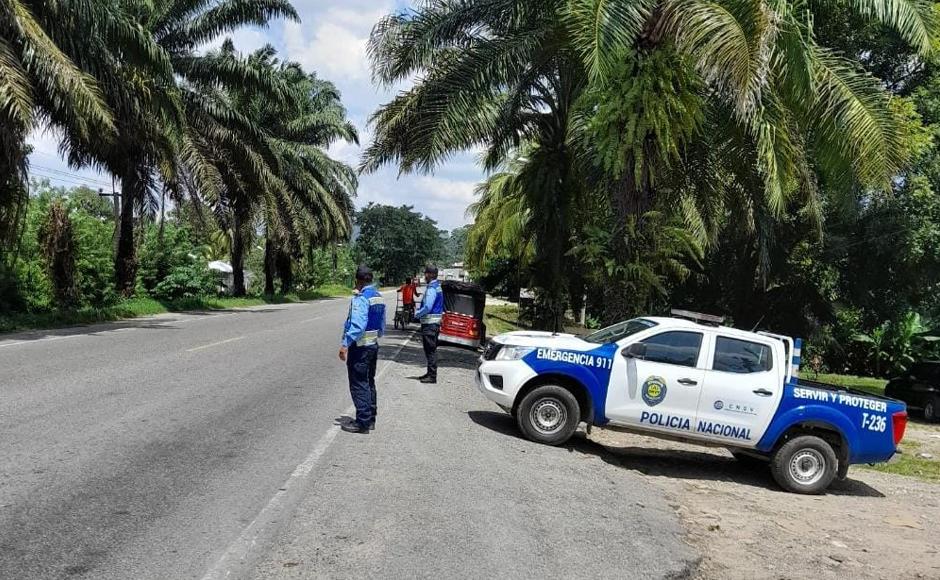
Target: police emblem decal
{"points": [[719, 405], [653, 391]]}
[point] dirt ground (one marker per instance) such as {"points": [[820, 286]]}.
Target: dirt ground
{"points": [[873, 525]]}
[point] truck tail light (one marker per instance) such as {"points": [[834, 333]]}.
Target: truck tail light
{"points": [[899, 424]]}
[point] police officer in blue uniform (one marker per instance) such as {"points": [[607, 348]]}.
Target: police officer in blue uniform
{"points": [[430, 315], [364, 325]]}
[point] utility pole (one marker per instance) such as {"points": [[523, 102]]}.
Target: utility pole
{"points": [[116, 209]]}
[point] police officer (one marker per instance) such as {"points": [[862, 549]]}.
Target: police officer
{"points": [[430, 315], [364, 325]]}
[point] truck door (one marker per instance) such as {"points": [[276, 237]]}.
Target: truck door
{"points": [[658, 390], [743, 387]]}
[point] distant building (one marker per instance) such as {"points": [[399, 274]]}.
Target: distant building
{"points": [[455, 272], [226, 277]]}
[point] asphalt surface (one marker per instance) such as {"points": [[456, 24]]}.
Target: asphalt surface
{"points": [[204, 446]]}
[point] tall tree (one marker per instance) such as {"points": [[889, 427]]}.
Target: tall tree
{"points": [[273, 163], [156, 106], [397, 241], [682, 105], [50, 57]]}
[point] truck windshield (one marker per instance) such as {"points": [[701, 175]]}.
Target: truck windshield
{"points": [[620, 330]]}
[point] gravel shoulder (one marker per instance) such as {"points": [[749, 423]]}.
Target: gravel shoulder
{"points": [[872, 525]]}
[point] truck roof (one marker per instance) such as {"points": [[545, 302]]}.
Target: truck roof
{"points": [[684, 323]]}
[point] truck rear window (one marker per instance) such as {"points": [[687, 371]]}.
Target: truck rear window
{"points": [[620, 330], [741, 356]]}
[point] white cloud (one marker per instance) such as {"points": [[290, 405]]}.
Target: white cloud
{"points": [[335, 44], [442, 199]]}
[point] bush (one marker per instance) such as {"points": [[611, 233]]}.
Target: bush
{"points": [[95, 264], [159, 256], [183, 282]]}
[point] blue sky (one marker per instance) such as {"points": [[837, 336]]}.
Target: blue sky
{"points": [[331, 40]]}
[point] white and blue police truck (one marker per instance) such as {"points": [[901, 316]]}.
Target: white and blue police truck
{"points": [[688, 378]]}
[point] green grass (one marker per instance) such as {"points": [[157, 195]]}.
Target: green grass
{"points": [[867, 384], [145, 306], [910, 465], [500, 319]]}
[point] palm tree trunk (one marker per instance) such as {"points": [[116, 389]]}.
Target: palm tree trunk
{"points": [[125, 261], [632, 198], [238, 257], [269, 266], [285, 270]]}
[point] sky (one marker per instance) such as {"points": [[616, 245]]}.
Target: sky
{"points": [[331, 41]]}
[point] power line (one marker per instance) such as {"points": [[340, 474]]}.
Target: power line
{"points": [[69, 180], [63, 173]]}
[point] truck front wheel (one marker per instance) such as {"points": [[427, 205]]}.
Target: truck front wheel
{"points": [[549, 414], [804, 464]]}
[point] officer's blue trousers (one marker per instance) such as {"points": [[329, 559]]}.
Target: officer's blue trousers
{"points": [[361, 362]]}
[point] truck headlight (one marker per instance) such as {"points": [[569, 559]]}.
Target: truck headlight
{"points": [[510, 352]]}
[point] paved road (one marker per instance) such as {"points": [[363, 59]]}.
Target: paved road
{"points": [[203, 446]]}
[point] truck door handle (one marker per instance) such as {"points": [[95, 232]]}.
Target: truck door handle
{"points": [[688, 382], [763, 392]]}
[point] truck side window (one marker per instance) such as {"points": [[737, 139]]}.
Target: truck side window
{"points": [[741, 356], [674, 348]]}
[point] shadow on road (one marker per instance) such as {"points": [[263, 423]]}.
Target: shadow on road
{"points": [[412, 354], [166, 322], [670, 463]]}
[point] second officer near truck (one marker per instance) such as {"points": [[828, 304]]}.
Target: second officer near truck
{"points": [[430, 315], [364, 325]]}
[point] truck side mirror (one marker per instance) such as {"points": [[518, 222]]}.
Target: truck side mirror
{"points": [[636, 350]]}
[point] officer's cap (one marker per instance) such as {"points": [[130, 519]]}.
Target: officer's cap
{"points": [[363, 273]]}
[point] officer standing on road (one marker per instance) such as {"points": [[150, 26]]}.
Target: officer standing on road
{"points": [[364, 325], [430, 315]]}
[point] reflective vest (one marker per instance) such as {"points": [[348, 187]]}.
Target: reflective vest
{"points": [[375, 324], [436, 311]]}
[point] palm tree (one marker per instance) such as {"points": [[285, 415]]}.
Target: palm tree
{"points": [[668, 87], [153, 108], [513, 89], [49, 52], [272, 162]]}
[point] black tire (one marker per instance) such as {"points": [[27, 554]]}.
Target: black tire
{"points": [[396, 323], [804, 464], [931, 409], [549, 414], [748, 460]]}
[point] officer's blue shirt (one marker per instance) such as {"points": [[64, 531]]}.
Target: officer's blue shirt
{"points": [[430, 297], [358, 320]]}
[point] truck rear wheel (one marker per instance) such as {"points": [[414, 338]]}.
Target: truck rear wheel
{"points": [[804, 464], [549, 414], [931, 408]]}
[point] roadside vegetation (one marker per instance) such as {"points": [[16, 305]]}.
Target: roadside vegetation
{"points": [[769, 164], [914, 461], [503, 318]]}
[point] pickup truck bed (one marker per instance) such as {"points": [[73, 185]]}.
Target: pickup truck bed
{"points": [[861, 418]]}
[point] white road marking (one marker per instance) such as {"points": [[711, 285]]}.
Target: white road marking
{"points": [[243, 552], [311, 319], [38, 340], [215, 344]]}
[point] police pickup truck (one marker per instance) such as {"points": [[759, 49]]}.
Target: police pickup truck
{"points": [[688, 378]]}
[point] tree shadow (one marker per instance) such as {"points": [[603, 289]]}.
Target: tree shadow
{"points": [[671, 463], [412, 353]]}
